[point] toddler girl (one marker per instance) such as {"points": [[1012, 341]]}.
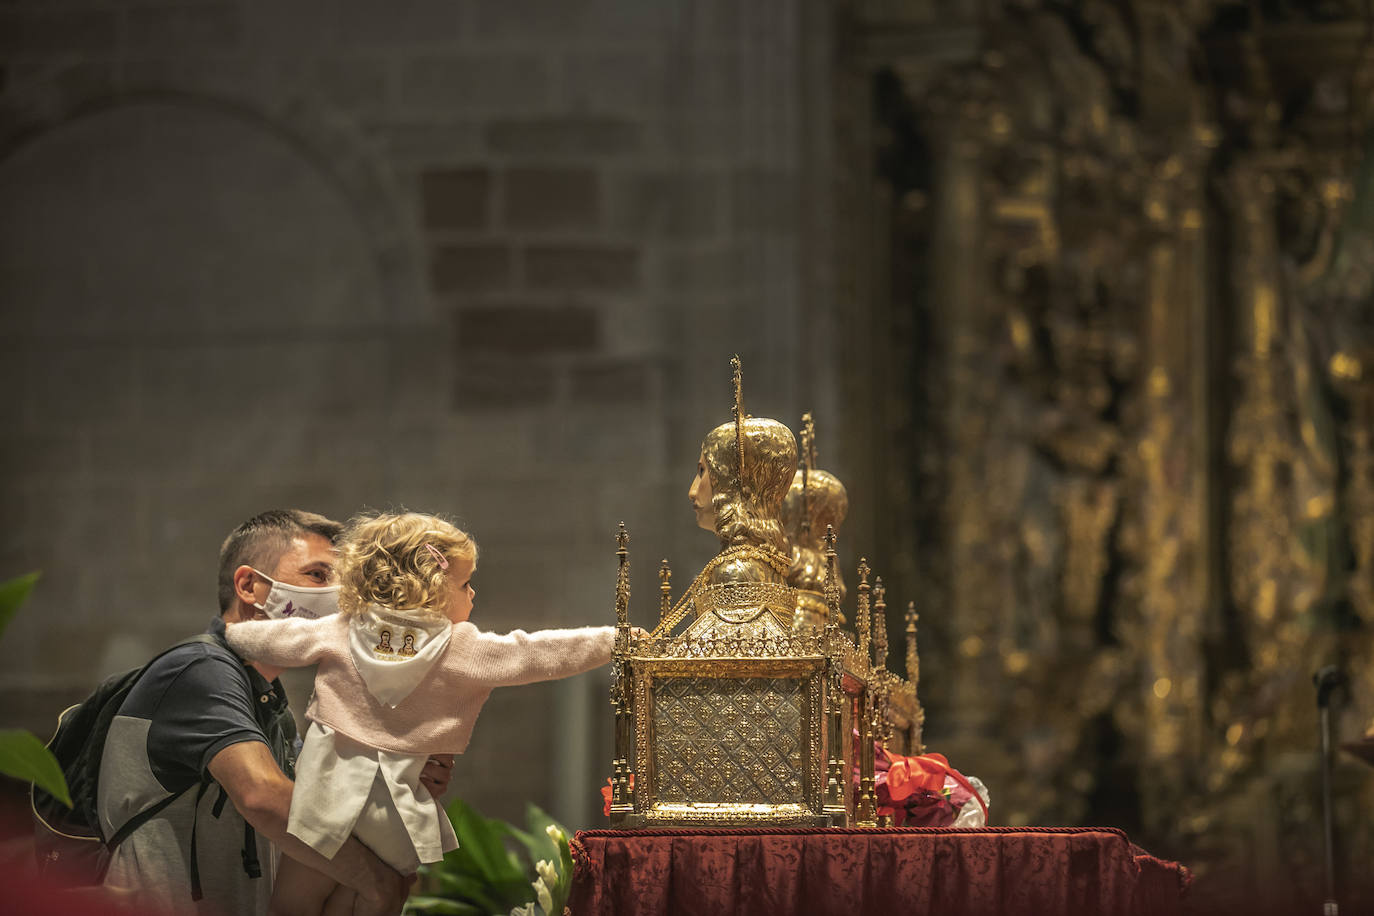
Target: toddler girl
{"points": [[402, 675]]}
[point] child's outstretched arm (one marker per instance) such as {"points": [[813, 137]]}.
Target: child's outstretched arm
{"points": [[518, 657], [289, 643]]}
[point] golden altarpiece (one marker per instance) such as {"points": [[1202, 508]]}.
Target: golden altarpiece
{"points": [[738, 707], [1111, 267]]}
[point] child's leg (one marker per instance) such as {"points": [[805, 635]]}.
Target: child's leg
{"points": [[340, 903], [300, 890], [361, 907]]}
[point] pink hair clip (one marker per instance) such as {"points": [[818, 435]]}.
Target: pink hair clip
{"points": [[443, 561]]}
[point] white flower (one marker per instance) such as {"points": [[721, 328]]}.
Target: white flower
{"points": [[547, 872], [558, 836], [526, 910], [541, 892]]}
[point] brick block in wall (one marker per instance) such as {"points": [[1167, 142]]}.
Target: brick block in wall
{"points": [[572, 136], [551, 198], [526, 329], [667, 204], [369, 24], [718, 267], [425, 141], [523, 20], [620, 381], [483, 382], [463, 85], [582, 267], [353, 84], [764, 200], [511, 759], [180, 29], [616, 82], [89, 388], [85, 81], [291, 29], [41, 30], [43, 452], [455, 198], [467, 268]]}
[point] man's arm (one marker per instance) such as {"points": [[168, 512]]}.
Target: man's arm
{"points": [[262, 794]]}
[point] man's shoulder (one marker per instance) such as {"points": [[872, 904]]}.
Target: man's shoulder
{"points": [[190, 668]]}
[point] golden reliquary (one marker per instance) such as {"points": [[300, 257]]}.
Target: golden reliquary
{"points": [[737, 709]]}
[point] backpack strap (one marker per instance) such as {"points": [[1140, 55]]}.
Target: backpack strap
{"points": [[139, 819], [196, 892], [251, 867]]}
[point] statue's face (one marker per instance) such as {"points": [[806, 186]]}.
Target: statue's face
{"points": [[699, 494]]}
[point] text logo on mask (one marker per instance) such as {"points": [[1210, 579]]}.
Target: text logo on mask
{"points": [[297, 601]]}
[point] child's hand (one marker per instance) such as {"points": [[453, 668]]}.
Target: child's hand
{"points": [[639, 632]]}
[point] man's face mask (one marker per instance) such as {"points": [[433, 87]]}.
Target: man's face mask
{"points": [[296, 601]]}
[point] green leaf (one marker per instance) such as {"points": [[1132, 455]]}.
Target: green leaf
{"points": [[539, 823], [25, 758], [12, 594], [442, 906], [484, 842]]}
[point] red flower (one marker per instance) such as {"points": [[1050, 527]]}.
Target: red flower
{"points": [[608, 790]]}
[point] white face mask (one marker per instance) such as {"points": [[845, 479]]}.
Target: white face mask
{"points": [[296, 601]]}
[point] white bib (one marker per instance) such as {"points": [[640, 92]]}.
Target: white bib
{"points": [[394, 650]]}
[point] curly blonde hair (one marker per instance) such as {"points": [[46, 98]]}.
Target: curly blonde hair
{"points": [[386, 559]]}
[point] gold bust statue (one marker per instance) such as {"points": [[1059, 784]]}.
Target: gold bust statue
{"points": [[742, 476], [816, 501]]}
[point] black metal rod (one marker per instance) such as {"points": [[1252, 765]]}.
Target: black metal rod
{"points": [[1330, 906], [1328, 680]]}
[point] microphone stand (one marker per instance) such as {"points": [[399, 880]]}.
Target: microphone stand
{"points": [[1328, 680]]}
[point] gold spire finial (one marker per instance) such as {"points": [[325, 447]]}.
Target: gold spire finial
{"points": [[832, 581], [808, 463], [665, 587], [737, 374], [808, 442], [864, 621], [913, 660], [879, 623], [622, 582]]}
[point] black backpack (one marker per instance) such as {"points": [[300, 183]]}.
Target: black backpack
{"points": [[68, 842]]}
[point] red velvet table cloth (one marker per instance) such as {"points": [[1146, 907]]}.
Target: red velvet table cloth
{"points": [[897, 871]]}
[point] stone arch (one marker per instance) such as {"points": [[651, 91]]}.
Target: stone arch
{"points": [[331, 145], [200, 321]]}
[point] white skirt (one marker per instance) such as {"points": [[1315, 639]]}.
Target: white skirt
{"points": [[343, 787]]}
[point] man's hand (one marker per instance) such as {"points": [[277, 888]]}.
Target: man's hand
{"points": [[261, 792], [437, 773]]}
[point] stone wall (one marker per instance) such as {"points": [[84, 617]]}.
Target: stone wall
{"points": [[481, 257]]}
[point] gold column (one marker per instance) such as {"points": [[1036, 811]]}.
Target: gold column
{"points": [[866, 813], [1257, 445], [960, 115], [1171, 464], [622, 792]]}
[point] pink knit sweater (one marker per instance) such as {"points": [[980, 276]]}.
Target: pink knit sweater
{"points": [[437, 717]]}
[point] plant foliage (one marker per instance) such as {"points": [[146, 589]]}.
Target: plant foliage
{"points": [[498, 868], [23, 756]]}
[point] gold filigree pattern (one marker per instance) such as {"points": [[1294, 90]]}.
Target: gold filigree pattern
{"points": [[740, 743]]}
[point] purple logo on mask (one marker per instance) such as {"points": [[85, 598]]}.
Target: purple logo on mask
{"points": [[300, 611]]}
